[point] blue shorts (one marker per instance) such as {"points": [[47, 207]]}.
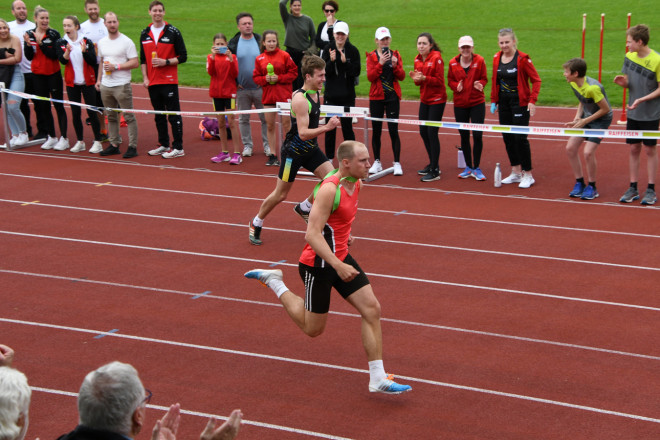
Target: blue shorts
{"points": [[599, 124]]}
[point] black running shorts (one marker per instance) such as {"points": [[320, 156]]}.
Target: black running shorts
{"points": [[320, 280]]}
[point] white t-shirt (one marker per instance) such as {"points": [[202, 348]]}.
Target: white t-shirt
{"points": [[117, 51], [19, 30], [76, 59], [157, 31], [94, 32]]}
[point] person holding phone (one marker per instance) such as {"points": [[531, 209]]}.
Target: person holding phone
{"points": [[384, 71], [222, 66]]}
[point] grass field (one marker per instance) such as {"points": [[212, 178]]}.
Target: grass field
{"points": [[550, 32]]}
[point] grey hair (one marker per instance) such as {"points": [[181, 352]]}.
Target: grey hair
{"points": [[15, 396], [109, 396]]}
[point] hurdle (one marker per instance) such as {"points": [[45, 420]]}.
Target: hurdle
{"points": [[328, 111], [7, 145]]}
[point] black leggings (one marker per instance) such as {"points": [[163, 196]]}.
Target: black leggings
{"points": [[391, 111], [89, 94], [346, 128], [50, 86], [166, 97], [476, 115], [430, 134], [517, 145]]}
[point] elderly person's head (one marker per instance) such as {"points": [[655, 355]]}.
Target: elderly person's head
{"points": [[15, 396], [112, 398]]}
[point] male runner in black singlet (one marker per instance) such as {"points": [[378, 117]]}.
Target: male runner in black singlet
{"points": [[300, 148]]}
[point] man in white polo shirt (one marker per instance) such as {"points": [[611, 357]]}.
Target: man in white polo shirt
{"points": [[118, 56]]}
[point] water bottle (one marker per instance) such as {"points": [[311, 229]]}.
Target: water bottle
{"points": [[498, 176], [461, 159], [270, 70]]}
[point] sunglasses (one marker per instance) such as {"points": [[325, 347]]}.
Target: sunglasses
{"points": [[329, 10]]}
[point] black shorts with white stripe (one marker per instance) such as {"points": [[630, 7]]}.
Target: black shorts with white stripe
{"points": [[319, 281]]}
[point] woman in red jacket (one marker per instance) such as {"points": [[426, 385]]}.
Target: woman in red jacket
{"points": [[467, 78], [512, 72], [78, 56], [40, 48], [384, 71], [274, 71], [429, 75], [223, 68]]}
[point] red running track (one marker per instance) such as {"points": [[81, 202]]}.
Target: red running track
{"points": [[513, 314]]}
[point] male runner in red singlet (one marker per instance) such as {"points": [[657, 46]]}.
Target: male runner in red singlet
{"points": [[326, 263]]}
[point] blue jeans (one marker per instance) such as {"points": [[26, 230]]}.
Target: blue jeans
{"points": [[16, 119]]}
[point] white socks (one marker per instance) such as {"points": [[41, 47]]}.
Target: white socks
{"points": [[256, 221], [278, 287], [305, 205], [376, 372]]}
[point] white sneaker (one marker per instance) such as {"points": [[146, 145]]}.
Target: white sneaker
{"points": [[398, 171], [62, 144], [527, 181], [376, 167], [513, 178], [158, 151], [12, 141], [80, 146], [173, 153], [22, 140], [49, 144], [247, 151], [97, 147], [267, 151]]}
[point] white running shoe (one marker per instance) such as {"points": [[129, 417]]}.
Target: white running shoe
{"points": [[388, 386], [267, 150], [247, 151], [12, 141], [513, 178], [158, 151], [22, 140], [376, 167], [62, 144], [80, 146], [173, 153], [97, 147], [264, 275], [398, 171], [49, 144], [527, 181]]}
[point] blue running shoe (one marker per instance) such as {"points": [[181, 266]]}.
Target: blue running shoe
{"points": [[649, 197], [477, 174], [577, 190], [388, 386], [589, 193], [466, 173], [264, 275]]}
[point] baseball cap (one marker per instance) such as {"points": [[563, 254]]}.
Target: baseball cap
{"points": [[382, 32], [340, 27], [465, 41]]}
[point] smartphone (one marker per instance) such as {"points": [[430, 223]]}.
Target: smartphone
{"points": [[386, 50], [222, 49]]}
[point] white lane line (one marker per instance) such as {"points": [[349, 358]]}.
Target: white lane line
{"points": [[393, 277], [338, 367], [208, 415], [208, 294]]}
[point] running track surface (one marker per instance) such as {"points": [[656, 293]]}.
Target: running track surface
{"points": [[514, 314]]}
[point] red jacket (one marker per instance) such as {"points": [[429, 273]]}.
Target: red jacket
{"points": [[89, 63], [469, 96], [170, 45], [223, 75], [284, 68], [43, 56], [526, 72], [432, 91], [374, 70]]}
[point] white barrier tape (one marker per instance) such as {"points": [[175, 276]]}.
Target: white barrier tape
{"points": [[518, 129], [152, 112]]}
